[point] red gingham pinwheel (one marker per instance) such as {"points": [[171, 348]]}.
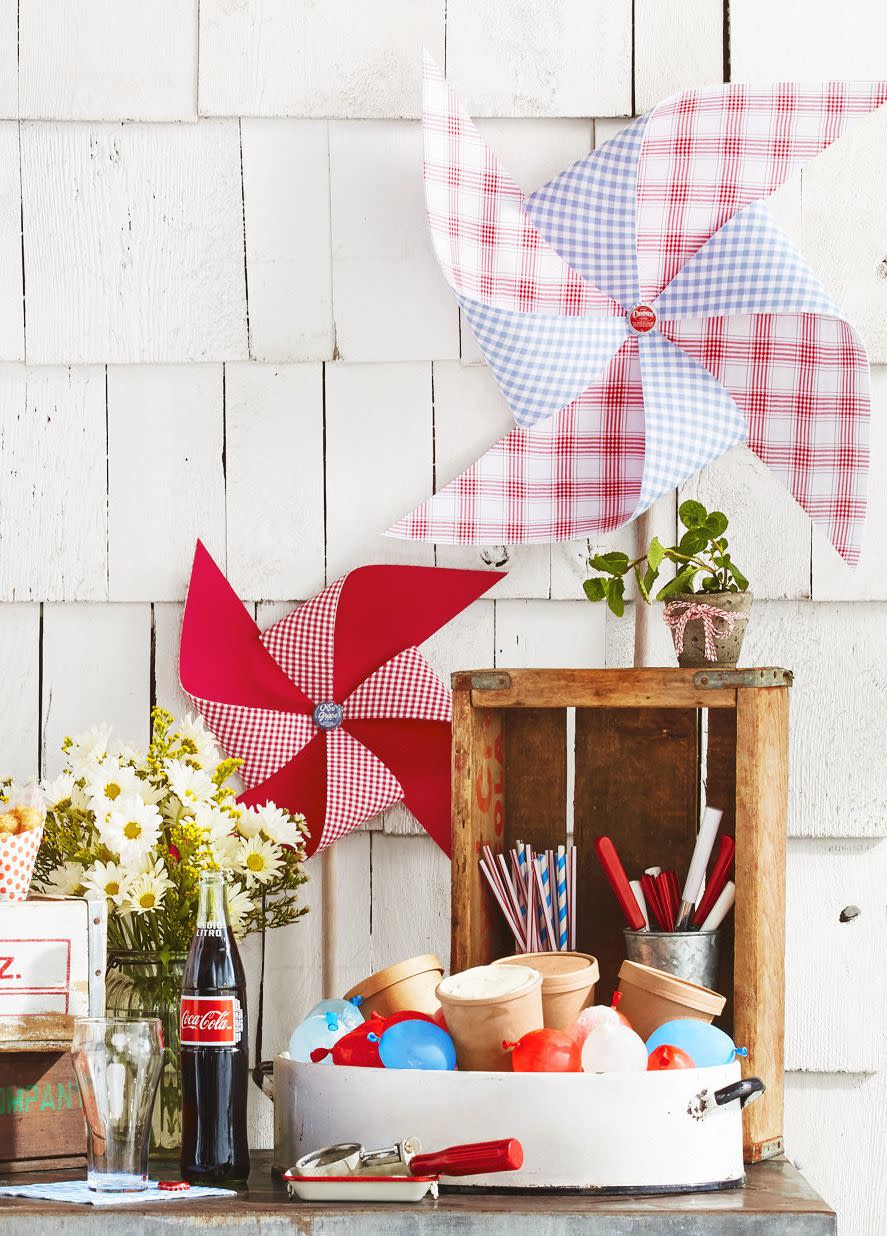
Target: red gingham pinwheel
{"points": [[642, 313], [333, 710]]}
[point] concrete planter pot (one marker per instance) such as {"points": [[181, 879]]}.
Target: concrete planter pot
{"points": [[697, 635]]}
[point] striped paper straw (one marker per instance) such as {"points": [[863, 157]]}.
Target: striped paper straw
{"points": [[561, 873], [545, 901]]}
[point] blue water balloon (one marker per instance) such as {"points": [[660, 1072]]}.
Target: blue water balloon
{"points": [[706, 1045], [417, 1045], [343, 1010], [319, 1030]]}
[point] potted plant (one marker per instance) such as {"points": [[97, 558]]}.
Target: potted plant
{"points": [[707, 601]]}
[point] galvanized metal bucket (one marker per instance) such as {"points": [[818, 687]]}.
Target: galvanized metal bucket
{"points": [[691, 955]]}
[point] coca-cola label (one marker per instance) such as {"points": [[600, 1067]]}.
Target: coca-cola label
{"points": [[210, 1021]]}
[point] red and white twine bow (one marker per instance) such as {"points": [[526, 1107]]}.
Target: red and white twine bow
{"points": [[678, 613]]}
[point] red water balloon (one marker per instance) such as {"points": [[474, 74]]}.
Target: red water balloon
{"points": [[358, 1047], [545, 1051], [668, 1057]]}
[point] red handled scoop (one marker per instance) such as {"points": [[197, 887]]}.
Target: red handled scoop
{"points": [[472, 1159]]}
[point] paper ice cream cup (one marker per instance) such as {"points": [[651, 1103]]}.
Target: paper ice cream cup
{"points": [[489, 1005]]}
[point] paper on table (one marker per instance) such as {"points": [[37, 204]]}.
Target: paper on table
{"points": [[78, 1191]]}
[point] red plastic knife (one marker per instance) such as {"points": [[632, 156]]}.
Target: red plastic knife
{"points": [[615, 873]]}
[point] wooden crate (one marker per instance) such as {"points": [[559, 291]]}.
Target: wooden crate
{"points": [[52, 970], [646, 740]]}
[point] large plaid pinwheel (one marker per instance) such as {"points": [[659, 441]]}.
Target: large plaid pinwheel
{"points": [[643, 312], [333, 710]]}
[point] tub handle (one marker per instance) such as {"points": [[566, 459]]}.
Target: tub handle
{"points": [[263, 1076], [745, 1091]]}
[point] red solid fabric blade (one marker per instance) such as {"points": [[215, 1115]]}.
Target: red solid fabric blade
{"points": [[384, 609], [716, 881], [418, 753], [300, 786], [221, 657]]}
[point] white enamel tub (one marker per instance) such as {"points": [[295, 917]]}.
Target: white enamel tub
{"points": [[644, 1132]]}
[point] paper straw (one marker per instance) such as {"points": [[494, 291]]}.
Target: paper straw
{"points": [[721, 908], [561, 873], [512, 892], [635, 886], [503, 904], [546, 909]]}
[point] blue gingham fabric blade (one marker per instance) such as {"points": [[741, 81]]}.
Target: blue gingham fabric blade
{"points": [[749, 266], [543, 362], [588, 214], [689, 418]]}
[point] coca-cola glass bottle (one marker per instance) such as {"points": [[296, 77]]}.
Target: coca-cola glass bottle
{"points": [[215, 1051]]}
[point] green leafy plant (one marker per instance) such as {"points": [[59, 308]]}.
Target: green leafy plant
{"points": [[701, 558]]}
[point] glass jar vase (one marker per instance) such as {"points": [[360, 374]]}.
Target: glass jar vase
{"points": [[149, 984]]}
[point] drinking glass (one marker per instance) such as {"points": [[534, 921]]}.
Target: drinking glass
{"points": [[117, 1061]]}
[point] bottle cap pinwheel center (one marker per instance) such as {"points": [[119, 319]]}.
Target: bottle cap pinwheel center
{"points": [[328, 715], [641, 319]]}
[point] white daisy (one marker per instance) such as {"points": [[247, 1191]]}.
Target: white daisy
{"points": [[203, 749], [191, 785], [109, 781], [239, 905], [226, 852], [88, 748], [64, 881], [131, 829], [249, 822], [280, 826], [212, 820], [258, 859], [148, 889], [59, 790], [107, 880]]}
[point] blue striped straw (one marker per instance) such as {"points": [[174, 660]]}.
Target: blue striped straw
{"points": [[561, 868], [546, 888]]}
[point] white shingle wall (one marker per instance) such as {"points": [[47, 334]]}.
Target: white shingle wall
{"points": [[214, 267]]}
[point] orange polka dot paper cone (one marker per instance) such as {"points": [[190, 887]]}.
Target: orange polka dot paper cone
{"points": [[18, 854]]}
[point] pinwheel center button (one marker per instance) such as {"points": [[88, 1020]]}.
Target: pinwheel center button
{"points": [[328, 715], [641, 319]]}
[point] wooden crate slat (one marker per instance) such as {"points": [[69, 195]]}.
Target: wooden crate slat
{"points": [[478, 933], [759, 963], [536, 773], [637, 777], [583, 688], [720, 772]]}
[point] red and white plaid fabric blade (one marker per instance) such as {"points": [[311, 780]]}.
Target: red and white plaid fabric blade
{"points": [[405, 686], [707, 153], [302, 643], [482, 235], [802, 382], [577, 474], [263, 739], [359, 786]]}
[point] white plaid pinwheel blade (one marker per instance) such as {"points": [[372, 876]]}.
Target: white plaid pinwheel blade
{"points": [[689, 418], [576, 474], [663, 229], [708, 153], [485, 242], [803, 385]]}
